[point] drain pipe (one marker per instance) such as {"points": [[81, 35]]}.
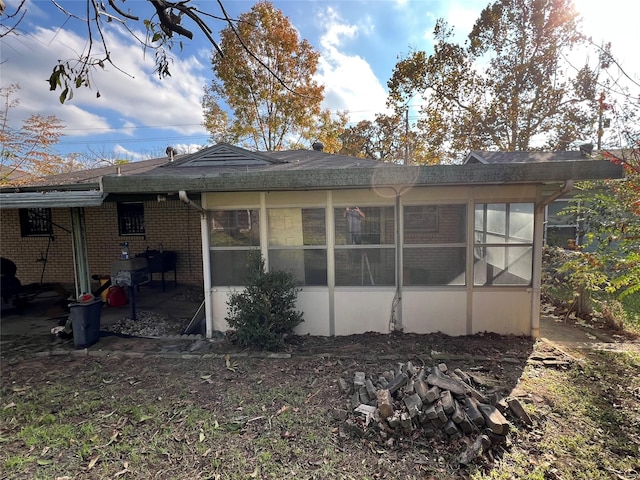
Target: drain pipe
{"points": [[395, 320], [538, 237], [184, 198], [206, 262]]}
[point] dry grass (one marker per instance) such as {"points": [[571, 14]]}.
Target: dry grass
{"points": [[100, 418]]}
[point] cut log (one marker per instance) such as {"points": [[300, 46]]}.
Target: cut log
{"points": [[399, 381], [494, 419], [385, 403], [447, 402], [473, 412], [458, 414], [447, 383], [413, 404], [371, 390], [433, 394], [421, 388], [518, 410], [344, 386]]}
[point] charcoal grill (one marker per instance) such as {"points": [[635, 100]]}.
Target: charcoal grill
{"points": [[130, 273]]}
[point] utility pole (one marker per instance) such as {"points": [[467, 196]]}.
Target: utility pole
{"points": [[602, 123], [406, 136]]}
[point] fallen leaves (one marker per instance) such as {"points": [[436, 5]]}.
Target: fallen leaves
{"points": [[123, 471], [231, 365], [92, 462]]}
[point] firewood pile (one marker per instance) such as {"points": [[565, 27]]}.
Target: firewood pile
{"points": [[433, 403]]}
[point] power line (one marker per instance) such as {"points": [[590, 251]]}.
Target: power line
{"points": [[182, 138], [133, 127]]}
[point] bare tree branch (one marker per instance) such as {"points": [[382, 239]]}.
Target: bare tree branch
{"points": [[16, 17], [164, 22], [120, 12]]}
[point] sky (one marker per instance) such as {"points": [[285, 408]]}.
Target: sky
{"points": [[138, 116]]}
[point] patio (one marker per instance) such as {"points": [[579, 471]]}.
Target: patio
{"points": [[47, 310]]}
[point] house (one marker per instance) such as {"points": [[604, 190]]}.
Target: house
{"points": [[560, 229], [449, 248]]}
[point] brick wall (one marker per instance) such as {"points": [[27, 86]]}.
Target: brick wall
{"points": [[28, 253], [437, 265], [171, 224]]}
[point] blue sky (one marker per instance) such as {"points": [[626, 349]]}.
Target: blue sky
{"points": [[137, 115]]}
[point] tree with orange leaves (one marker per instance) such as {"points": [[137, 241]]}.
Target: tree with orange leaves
{"points": [[28, 152], [264, 109]]}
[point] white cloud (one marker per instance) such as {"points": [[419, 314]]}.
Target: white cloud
{"points": [[183, 148], [132, 99], [124, 153], [349, 81]]}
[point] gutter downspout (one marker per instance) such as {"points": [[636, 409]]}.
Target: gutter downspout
{"points": [[395, 321], [206, 261], [538, 237], [184, 198]]}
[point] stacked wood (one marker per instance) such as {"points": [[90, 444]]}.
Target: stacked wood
{"points": [[431, 402]]}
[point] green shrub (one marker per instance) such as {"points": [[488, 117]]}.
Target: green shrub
{"points": [[263, 314]]}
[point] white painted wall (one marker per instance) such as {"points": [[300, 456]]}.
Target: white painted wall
{"points": [[502, 310], [312, 301], [219, 298], [435, 310], [359, 311]]}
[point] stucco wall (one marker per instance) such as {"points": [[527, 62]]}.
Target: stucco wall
{"points": [[171, 224]]}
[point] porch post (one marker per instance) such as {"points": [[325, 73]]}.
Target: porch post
{"points": [[536, 277], [80, 256], [206, 270], [331, 262]]}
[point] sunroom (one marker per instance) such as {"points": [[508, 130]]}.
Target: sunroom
{"points": [[446, 259], [374, 247]]}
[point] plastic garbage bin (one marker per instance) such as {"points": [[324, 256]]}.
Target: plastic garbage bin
{"points": [[85, 322]]}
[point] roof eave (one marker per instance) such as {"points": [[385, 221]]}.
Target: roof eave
{"points": [[364, 177], [70, 199], [72, 187]]}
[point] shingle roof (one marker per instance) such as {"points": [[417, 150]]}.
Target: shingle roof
{"points": [[224, 158], [92, 175], [524, 157], [221, 158], [224, 167]]}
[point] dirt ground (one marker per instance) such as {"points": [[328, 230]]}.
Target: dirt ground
{"points": [[226, 412]]}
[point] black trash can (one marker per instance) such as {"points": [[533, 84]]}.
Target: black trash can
{"points": [[85, 322]]}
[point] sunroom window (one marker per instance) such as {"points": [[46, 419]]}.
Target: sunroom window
{"points": [[298, 243], [503, 243], [365, 246], [434, 244], [232, 234]]}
